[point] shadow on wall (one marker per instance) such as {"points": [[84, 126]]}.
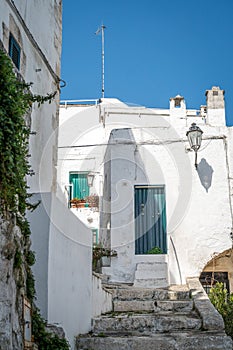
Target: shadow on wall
{"points": [[205, 173]]}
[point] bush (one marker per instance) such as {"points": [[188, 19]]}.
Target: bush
{"points": [[223, 302]]}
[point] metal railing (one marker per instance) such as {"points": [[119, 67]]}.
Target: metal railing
{"points": [[76, 102]]}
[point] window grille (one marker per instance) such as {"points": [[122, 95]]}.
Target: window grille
{"points": [[14, 51], [209, 279]]}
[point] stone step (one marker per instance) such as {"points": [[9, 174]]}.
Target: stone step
{"points": [[145, 323], [153, 305], [151, 266], [133, 305], [173, 306], [172, 341], [141, 274], [133, 293], [151, 275], [151, 282]]}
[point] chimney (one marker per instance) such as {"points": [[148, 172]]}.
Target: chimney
{"points": [[177, 106], [215, 106]]}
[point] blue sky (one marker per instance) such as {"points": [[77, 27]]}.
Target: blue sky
{"points": [[154, 50]]}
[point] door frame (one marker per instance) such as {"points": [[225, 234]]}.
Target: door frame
{"points": [[162, 224]]}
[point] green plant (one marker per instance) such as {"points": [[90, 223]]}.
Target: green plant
{"points": [[30, 284], [18, 259], [101, 335], [224, 304], [155, 250], [16, 101], [30, 257], [46, 340], [24, 226]]}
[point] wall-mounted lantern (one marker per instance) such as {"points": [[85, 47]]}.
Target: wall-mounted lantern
{"points": [[194, 136], [90, 179]]}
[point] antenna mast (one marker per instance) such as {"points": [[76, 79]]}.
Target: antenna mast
{"points": [[102, 33]]}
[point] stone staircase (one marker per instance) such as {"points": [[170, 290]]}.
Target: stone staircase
{"points": [[151, 275], [176, 318]]}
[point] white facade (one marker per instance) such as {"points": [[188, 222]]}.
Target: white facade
{"points": [[149, 147], [197, 201], [40, 49], [61, 242]]}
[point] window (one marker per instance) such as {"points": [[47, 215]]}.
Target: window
{"points": [[215, 93], [80, 188], [209, 279], [14, 51]]}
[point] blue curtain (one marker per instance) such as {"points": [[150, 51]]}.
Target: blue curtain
{"points": [[150, 219]]}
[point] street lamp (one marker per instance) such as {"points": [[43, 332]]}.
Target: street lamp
{"points": [[90, 179], [194, 136]]}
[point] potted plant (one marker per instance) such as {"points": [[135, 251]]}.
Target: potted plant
{"points": [[155, 250], [101, 257], [93, 201], [77, 203]]}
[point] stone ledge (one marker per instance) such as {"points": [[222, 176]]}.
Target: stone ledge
{"points": [[211, 319]]}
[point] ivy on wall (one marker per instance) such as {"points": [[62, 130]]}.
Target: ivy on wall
{"points": [[16, 101]]}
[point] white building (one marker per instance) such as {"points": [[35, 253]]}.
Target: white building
{"points": [[151, 193], [30, 32]]}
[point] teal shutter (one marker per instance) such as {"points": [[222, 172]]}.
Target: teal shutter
{"points": [[14, 51], [80, 186], [150, 219]]}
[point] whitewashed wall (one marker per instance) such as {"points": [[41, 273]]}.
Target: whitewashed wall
{"points": [[40, 64], [199, 215], [79, 136], [70, 272], [63, 245], [199, 221], [101, 299], [43, 18]]}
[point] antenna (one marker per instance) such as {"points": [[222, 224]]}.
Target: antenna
{"points": [[102, 34]]}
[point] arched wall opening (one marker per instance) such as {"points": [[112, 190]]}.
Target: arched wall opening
{"points": [[218, 269]]}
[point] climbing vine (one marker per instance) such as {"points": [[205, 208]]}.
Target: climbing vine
{"points": [[16, 100], [47, 341]]}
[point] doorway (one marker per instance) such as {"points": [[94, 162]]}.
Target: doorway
{"points": [[150, 219]]}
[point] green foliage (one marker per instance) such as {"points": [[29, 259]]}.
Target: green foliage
{"points": [[155, 250], [218, 297], [30, 257], [16, 100], [224, 304], [30, 285], [44, 339], [24, 226], [18, 259], [101, 335]]}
